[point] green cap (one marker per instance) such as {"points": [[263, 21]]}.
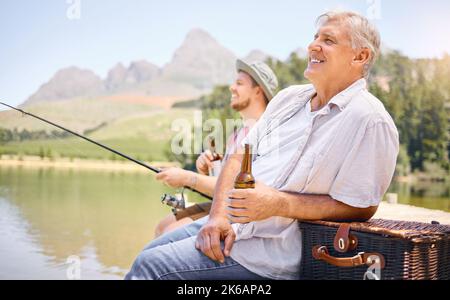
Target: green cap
{"points": [[262, 74]]}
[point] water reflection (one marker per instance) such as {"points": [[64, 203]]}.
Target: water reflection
{"points": [[105, 218], [434, 195], [20, 252]]}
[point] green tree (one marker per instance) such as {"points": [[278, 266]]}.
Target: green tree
{"points": [[289, 72], [5, 136], [187, 161]]}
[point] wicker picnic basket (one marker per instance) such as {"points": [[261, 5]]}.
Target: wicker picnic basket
{"points": [[376, 249]]}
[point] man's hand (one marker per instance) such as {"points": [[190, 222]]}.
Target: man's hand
{"points": [[247, 205], [210, 235], [175, 177], [204, 162]]}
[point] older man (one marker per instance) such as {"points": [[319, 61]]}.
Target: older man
{"points": [[334, 158]]}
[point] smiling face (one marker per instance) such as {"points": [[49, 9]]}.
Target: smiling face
{"points": [[243, 90], [330, 54]]}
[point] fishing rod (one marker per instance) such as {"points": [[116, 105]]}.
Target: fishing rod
{"points": [[167, 199]]}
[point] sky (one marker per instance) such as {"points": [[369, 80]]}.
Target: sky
{"points": [[37, 38]]}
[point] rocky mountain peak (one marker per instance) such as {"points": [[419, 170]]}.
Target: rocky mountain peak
{"points": [[67, 83]]}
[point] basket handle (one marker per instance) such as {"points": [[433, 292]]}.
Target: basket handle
{"points": [[345, 241], [362, 258]]}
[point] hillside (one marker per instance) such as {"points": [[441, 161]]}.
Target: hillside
{"points": [[144, 135], [78, 114]]}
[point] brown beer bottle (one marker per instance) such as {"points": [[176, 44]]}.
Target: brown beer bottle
{"points": [[216, 162], [245, 179]]}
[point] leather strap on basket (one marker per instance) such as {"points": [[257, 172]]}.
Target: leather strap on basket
{"points": [[362, 258], [344, 241]]}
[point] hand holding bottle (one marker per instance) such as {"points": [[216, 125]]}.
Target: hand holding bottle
{"points": [[204, 162], [254, 204]]}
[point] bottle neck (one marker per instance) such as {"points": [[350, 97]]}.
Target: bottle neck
{"points": [[246, 166], [212, 148]]}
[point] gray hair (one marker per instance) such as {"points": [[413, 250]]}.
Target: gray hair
{"points": [[363, 34]]}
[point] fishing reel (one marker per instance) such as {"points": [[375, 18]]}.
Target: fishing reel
{"points": [[177, 202]]}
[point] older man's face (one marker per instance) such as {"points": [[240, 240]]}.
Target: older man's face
{"points": [[330, 54]]}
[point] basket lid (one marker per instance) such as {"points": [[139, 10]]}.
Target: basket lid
{"points": [[402, 229]]}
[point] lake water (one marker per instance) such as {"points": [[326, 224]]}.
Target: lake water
{"points": [[48, 217]]}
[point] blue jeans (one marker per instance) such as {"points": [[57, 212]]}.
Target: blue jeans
{"points": [[174, 256]]}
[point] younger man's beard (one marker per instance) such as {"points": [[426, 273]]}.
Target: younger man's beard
{"points": [[240, 105]]}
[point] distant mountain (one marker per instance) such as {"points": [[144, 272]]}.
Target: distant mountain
{"points": [[116, 77], [141, 71], [201, 61], [70, 82], [196, 67], [138, 72]]}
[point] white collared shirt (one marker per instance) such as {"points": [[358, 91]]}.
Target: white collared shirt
{"points": [[347, 149]]}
